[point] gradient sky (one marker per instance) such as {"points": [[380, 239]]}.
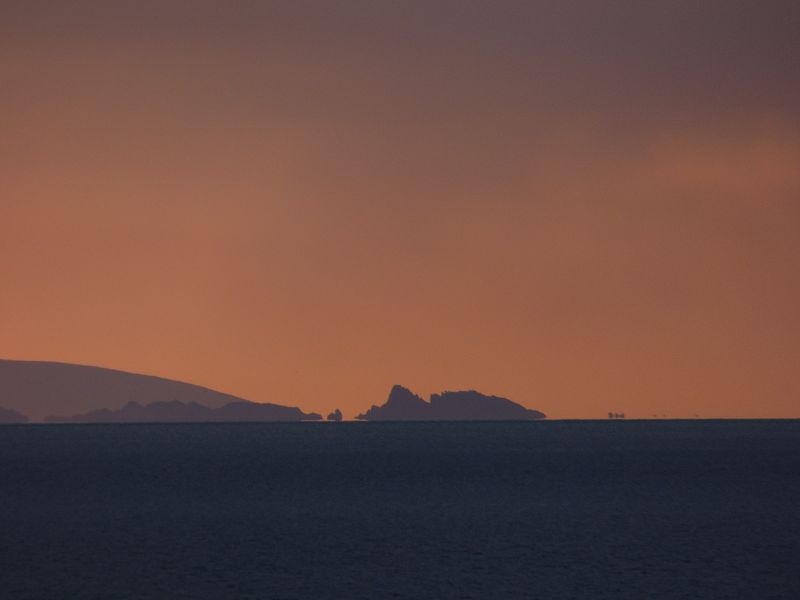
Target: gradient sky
{"points": [[585, 206]]}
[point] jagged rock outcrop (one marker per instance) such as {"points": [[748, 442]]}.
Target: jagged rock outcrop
{"points": [[11, 416], [336, 416], [404, 405], [191, 412]]}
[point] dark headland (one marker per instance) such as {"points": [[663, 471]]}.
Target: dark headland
{"points": [[78, 393], [404, 405], [191, 412]]}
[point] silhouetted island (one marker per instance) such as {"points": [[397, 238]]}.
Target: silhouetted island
{"points": [[38, 389], [191, 412], [11, 416], [404, 405], [336, 416]]}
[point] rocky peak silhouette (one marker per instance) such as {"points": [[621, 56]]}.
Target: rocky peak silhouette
{"points": [[404, 405]]}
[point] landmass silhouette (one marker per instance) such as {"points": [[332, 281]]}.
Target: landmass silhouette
{"points": [[11, 416], [47, 391], [191, 412], [404, 405], [39, 389]]}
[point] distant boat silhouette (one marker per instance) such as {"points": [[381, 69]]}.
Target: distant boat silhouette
{"points": [[404, 405]]}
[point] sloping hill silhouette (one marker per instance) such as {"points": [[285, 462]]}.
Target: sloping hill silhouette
{"points": [[11, 416], [39, 389], [404, 405]]}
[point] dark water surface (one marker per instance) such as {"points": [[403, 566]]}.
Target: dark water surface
{"points": [[612, 509]]}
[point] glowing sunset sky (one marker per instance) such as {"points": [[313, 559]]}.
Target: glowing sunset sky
{"points": [[584, 206]]}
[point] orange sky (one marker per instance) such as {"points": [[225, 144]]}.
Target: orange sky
{"points": [[583, 206]]}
